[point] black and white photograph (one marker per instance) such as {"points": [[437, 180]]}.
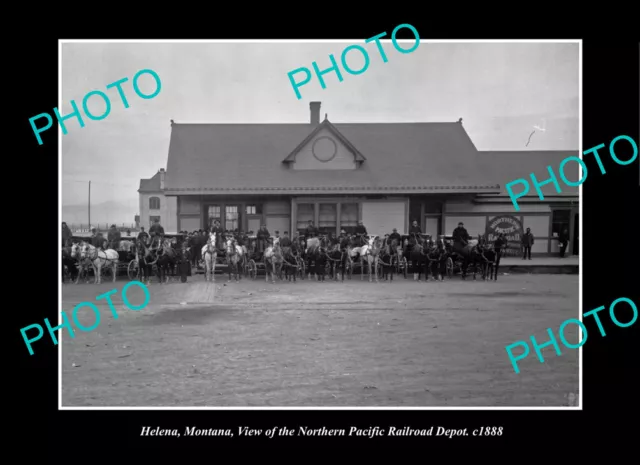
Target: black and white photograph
{"points": [[311, 236]]}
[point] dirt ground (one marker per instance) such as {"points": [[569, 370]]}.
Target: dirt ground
{"points": [[402, 344]]}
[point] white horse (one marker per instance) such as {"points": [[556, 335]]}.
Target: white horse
{"points": [[99, 259], [235, 256], [369, 255], [82, 263], [273, 257], [210, 254]]}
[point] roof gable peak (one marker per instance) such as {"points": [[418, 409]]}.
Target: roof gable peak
{"points": [[326, 124]]}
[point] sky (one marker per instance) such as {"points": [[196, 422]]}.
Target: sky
{"points": [[501, 90]]}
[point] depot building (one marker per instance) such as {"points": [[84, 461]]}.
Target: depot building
{"points": [[384, 174]]}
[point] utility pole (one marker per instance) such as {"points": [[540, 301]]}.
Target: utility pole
{"points": [[89, 205]]}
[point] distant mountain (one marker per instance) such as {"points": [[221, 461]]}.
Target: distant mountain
{"points": [[105, 212]]}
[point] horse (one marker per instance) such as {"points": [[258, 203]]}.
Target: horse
{"points": [[470, 255], [414, 252], [335, 255], [100, 258], [83, 263], [146, 260], [387, 259], [369, 254], [234, 254], [166, 261], [273, 257], [314, 256], [290, 262], [489, 259], [438, 257], [210, 254], [70, 261]]}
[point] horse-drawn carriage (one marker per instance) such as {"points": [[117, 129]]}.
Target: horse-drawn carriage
{"points": [[131, 259]]}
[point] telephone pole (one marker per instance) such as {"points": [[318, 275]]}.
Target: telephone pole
{"points": [[89, 205]]}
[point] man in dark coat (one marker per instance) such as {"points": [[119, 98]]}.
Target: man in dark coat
{"points": [[96, 238], [396, 236], [262, 237], [285, 241], [66, 234], [311, 230], [143, 235], [415, 229], [360, 229], [564, 240], [114, 237], [157, 229], [460, 235], [527, 242]]}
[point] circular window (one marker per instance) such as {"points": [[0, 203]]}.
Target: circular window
{"points": [[324, 149]]}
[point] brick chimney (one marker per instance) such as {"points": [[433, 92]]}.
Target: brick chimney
{"points": [[315, 113], [162, 173]]}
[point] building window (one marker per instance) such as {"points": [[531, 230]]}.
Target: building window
{"points": [[231, 217], [560, 221], [154, 203], [305, 214], [214, 215], [152, 220], [349, 217], [254, 209], [327, 218]]}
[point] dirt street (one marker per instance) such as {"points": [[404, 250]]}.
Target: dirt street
{"points": [[355, 343]]}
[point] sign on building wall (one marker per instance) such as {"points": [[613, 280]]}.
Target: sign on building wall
{"points": [[510, 226]]}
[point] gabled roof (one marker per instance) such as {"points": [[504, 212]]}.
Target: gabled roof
{"points": [[512, 165], [359, 158], [150, 185], [400, 157]]}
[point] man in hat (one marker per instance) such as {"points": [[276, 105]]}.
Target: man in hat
{"points": [[157, 228], [113, 236], [396, 236], [360, 229], [460, 235], [66, 234], [96, 238], [277, 236], [143, 236], [285, 241], [527, 243], [311, 230]]}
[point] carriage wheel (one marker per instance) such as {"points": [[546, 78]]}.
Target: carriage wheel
{"points": [[133, 270], [253, 269], [449, 267]]}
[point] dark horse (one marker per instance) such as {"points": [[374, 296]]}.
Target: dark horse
{"points": [[470, 254], [388, 259], [290, 261], [490, 260], [413, 251], [335, 257], [438, 257], [166, 261], [146, 260]]}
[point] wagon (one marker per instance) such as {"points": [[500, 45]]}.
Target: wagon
{"points": [[130, 260]]}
